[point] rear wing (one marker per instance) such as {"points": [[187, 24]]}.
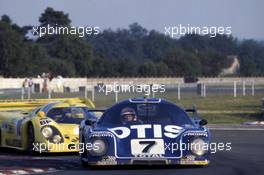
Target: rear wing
{"points": [[97, 110]]}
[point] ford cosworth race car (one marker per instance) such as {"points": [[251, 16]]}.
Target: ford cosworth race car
{"points": [[53, 127], [144, 131]]}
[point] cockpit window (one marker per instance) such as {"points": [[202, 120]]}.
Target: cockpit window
{"points": [[70, 115], [127, 113]]}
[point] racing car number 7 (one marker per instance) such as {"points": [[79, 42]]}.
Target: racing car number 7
{"points": [[148, 144]]}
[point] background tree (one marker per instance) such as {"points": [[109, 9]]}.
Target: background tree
{"points": [[134, 51], [54, 18]]}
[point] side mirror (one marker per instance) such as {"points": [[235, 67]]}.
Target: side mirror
{"points": [[90, 121], [41, 114], [203, 122]]}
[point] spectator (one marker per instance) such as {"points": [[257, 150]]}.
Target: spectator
{"points": [[31, 85]]}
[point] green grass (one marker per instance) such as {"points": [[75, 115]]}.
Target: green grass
{"points": [[231, 118], [216, 108], [220, 108]]}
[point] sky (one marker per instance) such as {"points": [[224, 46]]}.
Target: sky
{"points": [[244, 16]]}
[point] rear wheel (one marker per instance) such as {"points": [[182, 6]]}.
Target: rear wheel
{"points": [[31, 139]]}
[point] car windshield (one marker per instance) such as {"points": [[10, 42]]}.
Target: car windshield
{"points": [[70, 115], [127, 113]]}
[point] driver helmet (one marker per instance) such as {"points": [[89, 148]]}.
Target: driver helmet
{"points": [[128, 115]]}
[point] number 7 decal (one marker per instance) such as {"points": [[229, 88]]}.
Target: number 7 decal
{"points": [[148, 144]]}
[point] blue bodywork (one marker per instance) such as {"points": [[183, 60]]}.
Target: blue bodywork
{"points": [[160, 134]]}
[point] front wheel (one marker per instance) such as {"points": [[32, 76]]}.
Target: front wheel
{"points": [[31, 139], [0, 138]]}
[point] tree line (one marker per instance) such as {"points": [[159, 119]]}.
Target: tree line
{"points": [[134, 51]]}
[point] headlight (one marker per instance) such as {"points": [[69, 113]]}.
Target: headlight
{"points": [[56, 139], [47, 132], [99, 147], [197, 146], [76, 131]]}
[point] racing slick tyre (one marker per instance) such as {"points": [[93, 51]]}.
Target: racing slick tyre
{"points": [[0, 138], [31, 139], [83, 155]]}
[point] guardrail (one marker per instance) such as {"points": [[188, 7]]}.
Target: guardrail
{"points": [[74, 83]]}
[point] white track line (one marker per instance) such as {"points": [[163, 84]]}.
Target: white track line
{"points": [[37, 170], [19, 172], [28, 171]]}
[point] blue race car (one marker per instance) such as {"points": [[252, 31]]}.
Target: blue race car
{"points": [[144, 131]]}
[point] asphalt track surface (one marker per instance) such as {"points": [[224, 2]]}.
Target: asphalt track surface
{"points": [[245, 157]]}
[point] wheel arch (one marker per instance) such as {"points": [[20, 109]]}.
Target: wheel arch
{"points": [[27, 125], [0, 135]]}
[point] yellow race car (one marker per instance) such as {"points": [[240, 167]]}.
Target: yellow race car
{"points": [[53, 127]]}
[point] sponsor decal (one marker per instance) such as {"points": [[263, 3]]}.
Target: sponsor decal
{"points": [[170, 131], [188, 158], [196, 133], [44, 122], [107, 160], [102, 134], [143, 147], [149, 156]]}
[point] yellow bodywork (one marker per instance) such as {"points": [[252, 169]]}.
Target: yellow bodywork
{"points": [[16, 118], [11, 105]]}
